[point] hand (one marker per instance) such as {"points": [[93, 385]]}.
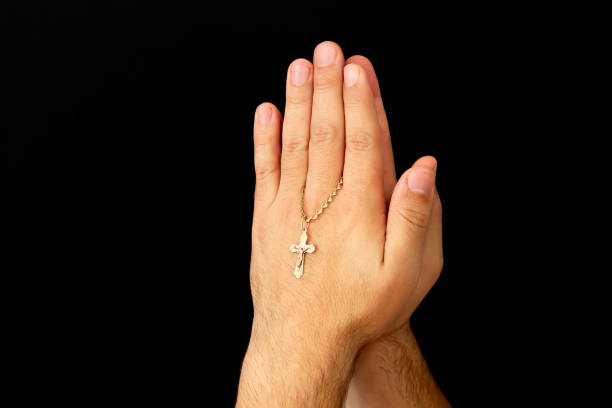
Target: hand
{"points": [[392, 371], [364, 279]]}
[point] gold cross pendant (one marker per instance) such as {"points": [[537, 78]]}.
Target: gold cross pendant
{"points": [[302, 249]]}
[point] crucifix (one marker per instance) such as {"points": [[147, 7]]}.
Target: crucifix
{"points": [[302, 248]]}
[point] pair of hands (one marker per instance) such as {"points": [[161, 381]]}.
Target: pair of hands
{"points": [[378, 244]]}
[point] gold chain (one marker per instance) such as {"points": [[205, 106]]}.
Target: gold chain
{"points": [[303, 247], [321, 208]]}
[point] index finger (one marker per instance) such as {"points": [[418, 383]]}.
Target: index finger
{"points": [[389, 177]]}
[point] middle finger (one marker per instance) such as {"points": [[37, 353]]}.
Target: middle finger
{"points": [[326, 146]]}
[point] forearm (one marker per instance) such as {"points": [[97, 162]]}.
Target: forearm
{"points": [[393, 372], [289, 371]]}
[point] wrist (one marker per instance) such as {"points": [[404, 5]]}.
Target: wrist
{"points": [[292, 362], [292, 347], [375, 369], [393, 372]]}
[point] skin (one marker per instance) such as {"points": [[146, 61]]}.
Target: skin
{"points": [[392, 372], [378, 248]]}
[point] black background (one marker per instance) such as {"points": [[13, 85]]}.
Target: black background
{"points": [[127, 161]]}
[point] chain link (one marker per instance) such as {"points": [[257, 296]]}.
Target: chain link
{"points": [[321, 208]]}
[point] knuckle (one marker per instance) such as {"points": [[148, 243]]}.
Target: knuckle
{"points": [[323, 133], [263, 138], [261, 141], [294, 144], [264, 171], [297, 99], [354, 102], [415, 219], [358, 140], [324, 82]]}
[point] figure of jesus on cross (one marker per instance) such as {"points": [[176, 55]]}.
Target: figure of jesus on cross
{"points": [[302, 248]]}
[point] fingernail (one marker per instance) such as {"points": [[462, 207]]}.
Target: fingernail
{"points": [[324, 55], [263, 114], [299, 74], [421, 181], [351, 73]]}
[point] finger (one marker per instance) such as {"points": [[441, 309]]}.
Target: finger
{"points": [[326, 145], [409, 214], [363, 156], [296, 127], [433, 258], [266, 140], [389, 177]]}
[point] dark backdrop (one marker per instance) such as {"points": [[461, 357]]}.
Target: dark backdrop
{"points": [[127, 161]]}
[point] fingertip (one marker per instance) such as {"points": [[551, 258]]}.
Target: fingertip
{"points": [[356, 77], [409, 214], [326, 53], [418, 179], [421, 181], [300, 72], [267, 124], [429, 162], [353, 59], [266, 139], [368, 67], [301, 61], [352, 72], [264, 113]]}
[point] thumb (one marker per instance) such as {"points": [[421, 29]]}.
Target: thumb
{"points": [[409, 211]]}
